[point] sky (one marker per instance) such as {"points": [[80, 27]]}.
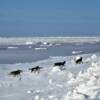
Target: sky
{"points": [[49, 17]]}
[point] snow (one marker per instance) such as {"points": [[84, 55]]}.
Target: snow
{"points": [[74, 82], [46, 40], [40, 48], [28, 43], [46, 44], [77, 52], [10, 47]]}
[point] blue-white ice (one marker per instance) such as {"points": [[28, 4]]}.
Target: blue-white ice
{"points": [[74, 82], [46, 40]]}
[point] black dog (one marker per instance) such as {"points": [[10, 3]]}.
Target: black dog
{"points": [[60, 63], [15, 73], [35, 69], [78, 60], [85, 95]]}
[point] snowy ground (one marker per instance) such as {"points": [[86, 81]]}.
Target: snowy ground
{"points": [[73, 82]]}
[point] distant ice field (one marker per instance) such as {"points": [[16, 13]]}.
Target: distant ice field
{"points": [[10, 54], [34, 40]]}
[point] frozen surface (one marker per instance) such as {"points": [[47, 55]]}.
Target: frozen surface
{"points": [[46, 40], [71, 82]]}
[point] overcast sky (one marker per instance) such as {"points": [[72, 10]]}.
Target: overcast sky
{"points": [[49, 17]]}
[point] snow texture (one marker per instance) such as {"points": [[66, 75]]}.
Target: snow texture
{"points": [[70, 82]]}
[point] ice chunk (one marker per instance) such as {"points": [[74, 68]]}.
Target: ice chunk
{"points": [[56, 69], [77, 52], [94, 56], [51, 96], [40, 48], [29, 43], [36, 97], [29, 91]]}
